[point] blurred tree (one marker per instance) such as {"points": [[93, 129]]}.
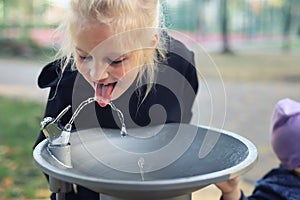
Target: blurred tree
{"points": [[200, 16], [297, 18], [183, 15], [17, 19], [19, 11], [287, 14], [224, 18], [291, 10], [3, 11], [23, 14]]}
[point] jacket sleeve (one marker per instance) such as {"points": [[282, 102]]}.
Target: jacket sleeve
{"points": [[182, 59], [60, 95], [190, 90]]}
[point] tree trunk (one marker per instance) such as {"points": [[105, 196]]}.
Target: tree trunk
{"points": [[287, 25], [224, 26]]}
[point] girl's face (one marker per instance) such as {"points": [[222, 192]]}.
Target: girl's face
{"points": [[109, 68]]}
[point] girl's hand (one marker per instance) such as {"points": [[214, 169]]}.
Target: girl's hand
{"points": [[230, 189]]}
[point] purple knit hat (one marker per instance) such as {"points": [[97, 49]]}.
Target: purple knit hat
{"points": [[285, 128]]}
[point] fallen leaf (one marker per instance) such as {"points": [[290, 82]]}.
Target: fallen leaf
{"points": [[7, 182]]}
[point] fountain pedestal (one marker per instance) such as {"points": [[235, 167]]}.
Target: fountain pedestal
{"points": [[162, 162]]}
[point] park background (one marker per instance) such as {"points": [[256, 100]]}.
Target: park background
{"points": [[254, 46]]}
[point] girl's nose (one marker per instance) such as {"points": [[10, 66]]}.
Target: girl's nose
{"points": [[99, 72], [104, 75]]}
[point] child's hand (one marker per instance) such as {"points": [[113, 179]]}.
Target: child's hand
{"points": [[230, 189]]}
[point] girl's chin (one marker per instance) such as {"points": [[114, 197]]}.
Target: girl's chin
{"points": [[115, 97]]}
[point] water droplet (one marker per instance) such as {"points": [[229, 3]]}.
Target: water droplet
{"points": [[121, 118], [141, 163], [123, 131]]}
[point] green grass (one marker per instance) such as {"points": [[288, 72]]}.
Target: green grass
{"points": [[19, 177]]}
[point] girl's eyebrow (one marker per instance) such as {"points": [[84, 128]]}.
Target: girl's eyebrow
{"points": [[77, 48], [113, 55], [110, 55], [116, 55]]}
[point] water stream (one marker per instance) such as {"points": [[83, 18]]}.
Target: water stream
{"points": [[121, 118], [123, 130]]}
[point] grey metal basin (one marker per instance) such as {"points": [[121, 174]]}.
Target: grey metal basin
{"points": [[165, 161]]}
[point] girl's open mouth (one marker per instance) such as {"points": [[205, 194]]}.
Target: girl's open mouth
{"points": [[103, 93]]}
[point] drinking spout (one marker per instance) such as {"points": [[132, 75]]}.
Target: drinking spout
{"points": [[53, 130]]}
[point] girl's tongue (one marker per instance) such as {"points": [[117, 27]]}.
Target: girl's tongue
{"points": [[103, 93]]}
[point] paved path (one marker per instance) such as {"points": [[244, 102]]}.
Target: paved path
{"points": [[18, 78], [248, 110]]}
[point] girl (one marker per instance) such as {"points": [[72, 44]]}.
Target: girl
{"points": [[117, 51], [283, 182]]}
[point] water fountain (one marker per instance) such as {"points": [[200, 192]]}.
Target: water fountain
{"points": [[167, 161]]}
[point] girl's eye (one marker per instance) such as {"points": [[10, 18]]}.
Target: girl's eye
{"points": [[85, 58], [117, 62]]}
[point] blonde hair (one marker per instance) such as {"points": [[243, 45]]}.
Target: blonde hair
{"points": [[121, 16]]}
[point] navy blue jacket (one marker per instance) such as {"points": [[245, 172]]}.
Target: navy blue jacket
{"points": [[169, 101], [278, 184]]}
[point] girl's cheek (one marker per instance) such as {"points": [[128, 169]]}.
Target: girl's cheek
{"points": [[122, 70], [119, 74], [81, 67]]}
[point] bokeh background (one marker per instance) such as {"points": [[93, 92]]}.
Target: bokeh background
{"points": [[251, 46]]}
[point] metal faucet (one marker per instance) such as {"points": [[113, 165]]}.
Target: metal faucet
{"points": [[53, 130], [59, 135]]}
